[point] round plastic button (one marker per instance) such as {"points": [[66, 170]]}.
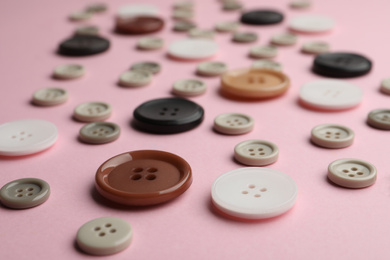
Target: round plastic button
{"points": [[244, 37], [379, 118], [193, 49], [231, 5], [315, 47], [96, 8], [263, 52], [284, 39], [233, 123], [189, 88], [87, 30], [149, 66], [211, 68], [69, 71], [26, 136], [256, 152], [227, 26], [104, 236], [385, 86], [135, 78], [312, 24], [83, 45], [50, 96], [92, 111], [80, 16], [300, 4], [99, 132], [150, 43], [341, 65], [143, 178], [254, 193], [332, 136], [139, 25], [262, 17], [254, 83], [183, 26], [267, 64], [132, 10], [24, 193], [330, 94], [168, 115], [352, 173], [201, 33]]}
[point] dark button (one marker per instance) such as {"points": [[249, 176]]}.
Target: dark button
{"points": [[168, 115], [262, 17], [144, 177], [83, 45], [341, 65], [139, 25]]}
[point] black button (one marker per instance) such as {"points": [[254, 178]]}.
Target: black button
{"points": [[262, 17], [83, 45], [167, 115], [341, 65]]}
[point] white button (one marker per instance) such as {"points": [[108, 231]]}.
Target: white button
{"points": [[183, 26], [379, 118], [231, 5], [352, 173], [182, 14], [211, 68], [150, 43], [233, 123], [256, 152], [244, 37], [184, 5], [332, 136], [193, 49], [284, 39], [189, 88], [26, 136], [80, 16], [315, 47], [149, 66], [87, 30], [254, 193], [267, 64], [300, 4], [50, 96], [104, 236], [227, 26], [132, 10], [135, 78], [263, 51], [385, 86], [201, 33], [312, 24], [329, 94], [92, 111], [69, 71]]}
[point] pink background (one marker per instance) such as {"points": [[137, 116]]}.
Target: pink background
{"points": [[327, 222]]}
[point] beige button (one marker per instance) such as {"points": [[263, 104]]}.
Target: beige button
{"points": [[69, 71], [182, 14], [254, 83], [263, 52], [233, 123], [211, 68], [315, 47], [352, 173], [150, 43], [231, 5], [385, 86], [267, 64], [80, 16], [332, 136], [300, 4], [148, 66], [99, 132], [284, 39], [50, 96], [135, 78], [256, 152], [92, 111], [96, 8], [189, 88], [184, 5], [201, 33], [379, 118], [227, 26], [244, 37], [87, 30], [183, 26]]}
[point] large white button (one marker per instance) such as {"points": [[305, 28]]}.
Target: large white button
{"points": [[26, 136], [254, 193], [193, 49], [312, 24], [330, 94]]}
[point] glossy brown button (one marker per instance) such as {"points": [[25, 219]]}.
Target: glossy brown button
{"points": [[144, 177], [254, 83], [139, 25]]}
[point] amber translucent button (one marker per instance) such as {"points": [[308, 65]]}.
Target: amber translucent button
{"points": [[254, 83], [139, 25], [144, 177]]}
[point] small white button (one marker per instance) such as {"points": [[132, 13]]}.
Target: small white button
{"points": [[233, 123], [267, 64], [263, 52], [189, 87], [201, 33], [231, 5], [96, 8], [104, 236], [254, 193], [211, 68], [256, 152], [87, 30], [352, 173], [182, 14], [284, 39], [227, 26], [132, 10], [183, 5], [385, 86], [193, 49], [315, 47], [80, 16], [150, 43], [135, 78], [50, 96], [150, 66], [244, 37], [183, 26], [330, 94], [92, 111], [26, 136], [312, 24], [379, 118], [300, 4], [332, 136], [69, 71]]}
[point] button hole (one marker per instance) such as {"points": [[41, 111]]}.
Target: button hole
{"points": [[263, 189], [257, 195], [108, 225], [102, 234], [30, 189], [251, 186], [138, 169], [97, 228], [136, 177], [151, 177], [244, 192], [113, 230], [360, 173], [152, 170]]}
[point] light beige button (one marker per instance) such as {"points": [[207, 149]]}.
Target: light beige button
{"points": [[230, 26], [92, 111], [189, 88], [385, 86], [332, 136], [69, 71], [80, 16], [50, 96], [256, 152], [244, 37], [315, 47], [150, 43], [352, 173], [135, 78], [231, 5], [183, 26], [182, 14], [265, 52], [104, 236], [99, 132], [149, 66], [87, 30], [267, 64], [184, 5], [300, 4], [96, 8], [379, 118], [284, 39], [201, 33], [211, 68], [233, 123]]}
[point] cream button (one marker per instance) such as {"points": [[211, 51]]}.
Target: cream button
{"points": [[50, 96], [193, 49], [352, 173], [150, 43], [233, 123], [189, 87], [332, 136], [312, 24], [227, 26], [87, 30], [80, 16], [284, 39], [135, 78], [99, 132], [183, 26], [379, 118], [315, 47], [244, 37], [256, 152], [201, 33], [211, 68], [150, 66], [300, 4], [385, 86], [263, 52], [69, 71], [92, 111], [254, 193], [267, 64]]}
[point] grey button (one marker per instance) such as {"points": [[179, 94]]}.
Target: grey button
{"points": [[24, 193], [244, 37], [379, 118], [332, 136], [148, 66], [50, 96], [92, 111], [99, 132], [233, 123], [256, 152]]}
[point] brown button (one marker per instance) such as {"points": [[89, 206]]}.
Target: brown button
{"points": [[144, 177], [254, 83], [139, 25]]}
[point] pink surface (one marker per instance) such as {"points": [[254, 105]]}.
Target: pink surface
{"points": [[327, 222]]}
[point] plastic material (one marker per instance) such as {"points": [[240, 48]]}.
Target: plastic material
{"points": [[83, 45], [69, 71], [211, 68], [332, 136], [139, 25], [50, 96], [135, 78], [312, 24], [233, 123], [262, 17], [99, 132], [189, 87], [193, 49], [92, 111], [379, 118], [256, 152]]}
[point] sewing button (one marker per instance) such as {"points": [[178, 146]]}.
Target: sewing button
{"points": [[87, 30], [284, 39], [261, 17], [189, 88], [99, 132], [149, 66], [256, 152], [96, 8], [267, 64], [80, 16], [233, 123], [379, 118], [50, 96], [315, 47], [254, 193], [352, 173], [26, 136], [231, 5], [227, 26], [92, 111], [265, 52], [385, 86], [300, 4], [83, 45], [133, 10], [244, 37], [211, 68], [69, 71], [311, 24], [193, 49], [183, 26], [201, 33], [24, 193], [183, 14], [150, 43], [332, 136], [135, 78], [144, 177], [104, 236], [139, 25]]}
